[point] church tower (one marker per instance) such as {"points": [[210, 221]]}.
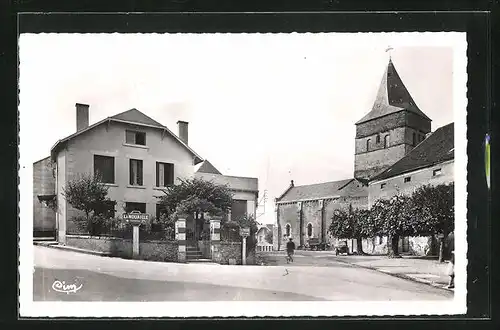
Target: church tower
{"points": [[393, 127]]}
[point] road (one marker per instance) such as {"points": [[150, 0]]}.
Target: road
{"points": [[308, 278]]}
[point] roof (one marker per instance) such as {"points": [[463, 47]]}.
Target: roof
{"points": [[207, 167], [324, 190], [438, 147], [392, 97], [134, 117], [262, 227], [233, 182]]}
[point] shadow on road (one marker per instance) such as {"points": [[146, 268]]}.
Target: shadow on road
{"points": [[102, 287]]}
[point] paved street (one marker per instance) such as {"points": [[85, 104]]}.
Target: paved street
{"points": [[308, 278]]}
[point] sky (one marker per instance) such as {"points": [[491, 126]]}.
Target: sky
{"points": [[278, 107]]}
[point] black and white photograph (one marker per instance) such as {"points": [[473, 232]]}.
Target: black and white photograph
{"points": [[285, 174]]}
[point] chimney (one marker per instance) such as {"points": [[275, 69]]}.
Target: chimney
{"points": [[82, 116], [291, 183], [183, 130]]}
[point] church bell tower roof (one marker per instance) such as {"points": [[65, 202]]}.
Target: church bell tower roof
{"points": [[392, 96]]}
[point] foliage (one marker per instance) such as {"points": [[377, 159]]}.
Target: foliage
{"points": [[352, 223], [433, 208], [269, 237], [230, 231], [197, 196], [86, 193], [393, 217]]}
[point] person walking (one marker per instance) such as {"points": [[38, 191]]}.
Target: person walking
{"points": [[290, 248]]}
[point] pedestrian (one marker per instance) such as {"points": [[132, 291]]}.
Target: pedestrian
{"points": [[290, 247], [451, 270]]}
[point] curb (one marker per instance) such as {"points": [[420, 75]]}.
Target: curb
{"points": [[402, 276], [73, 249]]}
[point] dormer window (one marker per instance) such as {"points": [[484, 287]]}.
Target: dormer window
{"points": [[378, 138], [382, 186], [135, 137], [368, 145]]}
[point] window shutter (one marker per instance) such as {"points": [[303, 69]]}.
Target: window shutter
{"points": [[171, 176], [131, 171], [139, 172], [161, 174], [157, 174]]}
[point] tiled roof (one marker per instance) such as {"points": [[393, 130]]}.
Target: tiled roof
{"points": [[324, 190], [392, 97], [438, 147], [135, 116], [207, 167]]}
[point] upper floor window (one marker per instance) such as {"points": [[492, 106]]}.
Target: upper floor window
{"points": [[135, 172], [408, 179], [309, 229], [378, 138], [436, 172], [414, 139], [288, 229], [368, 145], [134, 137], [382, 186], [164, 174], [104, 167]]}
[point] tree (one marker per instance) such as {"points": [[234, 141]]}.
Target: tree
{"points": [[433, 208], [197, 197], [269, 237], [350, 224], [87, 193], [392, 218]]}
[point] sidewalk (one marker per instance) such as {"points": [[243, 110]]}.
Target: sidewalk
{"points": [[417, 269]]}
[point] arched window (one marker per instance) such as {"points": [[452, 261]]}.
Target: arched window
{"points": [[287, 229], [368, 145], [378, 138], [414, 139], [309, 229], [386, 141]]}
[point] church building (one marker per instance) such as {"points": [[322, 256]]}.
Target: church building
{"points": [[386, 137]]}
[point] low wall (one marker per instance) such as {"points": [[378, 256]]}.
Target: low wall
{"points": [[226, 251], [118, 247]]}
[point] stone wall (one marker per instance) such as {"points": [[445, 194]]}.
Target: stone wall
{"points": [[118, 247], [226, 251]]}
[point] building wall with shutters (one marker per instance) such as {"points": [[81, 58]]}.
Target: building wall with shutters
{"points": [[109, 140]]}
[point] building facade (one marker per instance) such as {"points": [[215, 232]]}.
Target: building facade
{"points": [[395, 152], [136, 157]]}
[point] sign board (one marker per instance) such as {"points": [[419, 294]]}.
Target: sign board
{"points": [[245, 232], [135, 218]]}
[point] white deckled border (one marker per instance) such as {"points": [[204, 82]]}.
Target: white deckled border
{"points": [[28, 308]]}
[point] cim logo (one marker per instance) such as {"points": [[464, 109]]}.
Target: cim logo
{"points": [[65, 288]]}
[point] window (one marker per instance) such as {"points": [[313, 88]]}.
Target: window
{"points": [[436, 172], [309, 229], [414, 139], [386, 141], [408, 179], [378, 138], [136, 172], [133, 206], [260, 239], [133, 137], [287, 229], [104, 167], [160, 210], [382, 186], [164, 174], [368, 145], [238, 209]]}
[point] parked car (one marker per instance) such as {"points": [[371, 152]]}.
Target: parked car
{"points": [[315, 244], [341, 248]]}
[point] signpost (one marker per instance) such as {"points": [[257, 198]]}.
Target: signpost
{"points": [[244, 233], [135, 218]]}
